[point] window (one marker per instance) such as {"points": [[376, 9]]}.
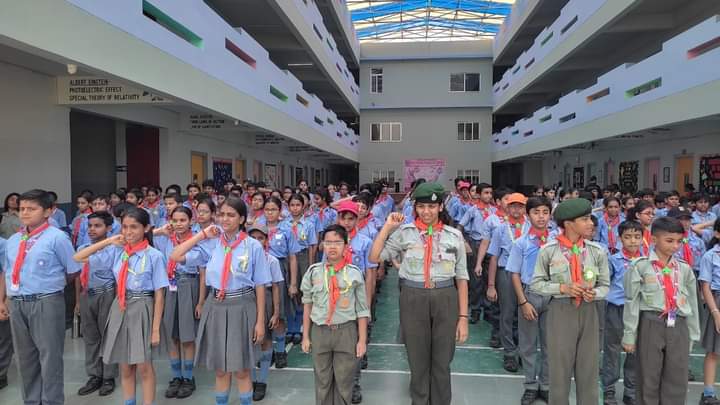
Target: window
{"points": [[472, 174], [461, 82], [468, 131], [386, 132], [384, 174], [376, 80]]}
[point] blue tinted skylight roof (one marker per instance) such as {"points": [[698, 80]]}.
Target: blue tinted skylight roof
{"points": [[427, 20]]}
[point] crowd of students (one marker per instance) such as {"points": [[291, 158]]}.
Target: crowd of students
{"points": [[224, 279]]}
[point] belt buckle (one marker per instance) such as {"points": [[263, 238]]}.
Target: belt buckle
{"points": [[334, 327], [431, 284]]}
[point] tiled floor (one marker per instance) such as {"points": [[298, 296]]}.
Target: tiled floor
{"points": [[478, 376]]}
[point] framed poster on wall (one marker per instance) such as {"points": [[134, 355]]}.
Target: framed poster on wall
{"points": [[710, 174], [579, 177], [629, 175], [222, 172], [270, 176]]}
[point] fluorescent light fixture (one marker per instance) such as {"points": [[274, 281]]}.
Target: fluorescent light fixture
{"points": [[299, 64]]}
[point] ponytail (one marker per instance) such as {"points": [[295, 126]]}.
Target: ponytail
{"points": [[716, 229]]}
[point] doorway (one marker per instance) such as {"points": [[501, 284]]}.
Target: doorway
{"points": [[198, 165], [652, 173], [143, 155], [92, 153], [683, 172]]}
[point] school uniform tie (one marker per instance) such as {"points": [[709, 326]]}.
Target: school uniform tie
{"points": [[172, 264], [128, 252], [574, 259], [668, 284], [540, 236], [227, 261], [21, 253], [428, 231], [333, 289], [687, 250]]}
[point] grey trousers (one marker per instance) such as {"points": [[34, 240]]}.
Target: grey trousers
{"points": [[428, 319], [573, 349], [612, 349], [475, 290], [507, 299], [6, 347], [530, 334], [38, 330], [334, 361], [94, 311], [662, 360]]}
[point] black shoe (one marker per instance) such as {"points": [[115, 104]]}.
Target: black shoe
{"points": [[356, 394], [691, 376], [609, 398], [288, 338], [187, 387], [709, 400], [529, 396], [510, 364], [93, 384], [173, 388], [259, 391], [474, 317], [363, 362], [494, 342], [280, 360], [108, 386], [3, 381], [297, 339], [631, 401], [544, 395]]}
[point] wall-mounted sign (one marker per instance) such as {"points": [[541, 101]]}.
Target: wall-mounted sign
{"points": [[99, 90], [206, 121]]}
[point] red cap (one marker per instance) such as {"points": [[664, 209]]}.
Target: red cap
{"points": [[348, 206], [463, 184]]}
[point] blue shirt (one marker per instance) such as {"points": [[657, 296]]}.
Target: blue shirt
{"points": [[661, 212], [371, 229], [618, 266], [502, 240], [101, 267], [282, 242], [716, 209], [3, 242], [408, 211], [488, 226], [82, 235], [697, 247], [329, 217], [273, 265], [604, 229], [306, 233], [523, 256], [473, 221], [147, 269], [248, 267], [710, 268], [60, 218], [700, 218], [165, 246], [157, 214], [451, 205], [48, 260], [460, 210], [383, 207]]}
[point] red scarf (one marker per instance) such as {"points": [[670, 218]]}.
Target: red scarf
{"points": [[501, 215], [429, 231], [321, 214], [227, 261], [129, 251], [576, 265], [271, 236], [517, 225], [363, 222], [647, 240], [668, 284], [687, 250], [149, 205], [629, 255], [22, 251], [540, 236], [295, 227], [78, 222], [348, 254], [333, 288], [172, 264], [611, 223], [484, 208]]}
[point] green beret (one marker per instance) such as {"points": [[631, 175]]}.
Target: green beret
{"points": [[429, 193], [571, 209]]}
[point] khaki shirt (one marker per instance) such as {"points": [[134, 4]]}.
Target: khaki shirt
{"points": [[352, 303], [448, 261], [552, 268], [644, 292]]}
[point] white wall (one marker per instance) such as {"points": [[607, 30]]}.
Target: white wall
{"points": [[35, 134]]}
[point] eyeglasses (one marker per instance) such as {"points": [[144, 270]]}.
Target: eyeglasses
{"points": [[333, 242], [648, 213], [204, 212], [271, 209]]}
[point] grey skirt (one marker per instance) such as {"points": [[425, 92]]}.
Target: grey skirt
{"points": [[179, 313], [303, 263], [710, 339], [128, 333], [225, 334], [290, 305]]}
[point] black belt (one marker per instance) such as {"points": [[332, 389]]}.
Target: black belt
{"points": [[180, 276], [234, 293], [338, 326], [34, 297], [139, 294], [102, 289], [433, 284]]}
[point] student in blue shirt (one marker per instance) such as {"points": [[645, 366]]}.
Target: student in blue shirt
{"points": [[703, 215], [326, 215], [710, 338], [57, 214], [608, 223], [133, 330], [631, 238], [232, 325], [284, 246], [692, 248], [79, 223], [95, 292], [384, 203], [38, 264], [6, 346], [532, 307], [100, 203], [170, 202], [368, 224], [154, 205], [501, 242]]}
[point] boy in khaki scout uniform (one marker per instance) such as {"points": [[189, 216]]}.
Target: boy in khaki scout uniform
{"points": [[574, 272], [433, 274], [336, 316], [660, 317]]}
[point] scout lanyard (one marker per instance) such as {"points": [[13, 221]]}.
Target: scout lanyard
{"points": [[332, 287], [540, 236], [23, 249], [669, 280], [611, 223], [573, 253], [428, 231], [687, 250], [78, 222], [227, 261], [172, 264], [484, 208], [128, 251]]}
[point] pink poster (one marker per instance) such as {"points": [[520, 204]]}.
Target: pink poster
{"points": [[428, 169]]}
